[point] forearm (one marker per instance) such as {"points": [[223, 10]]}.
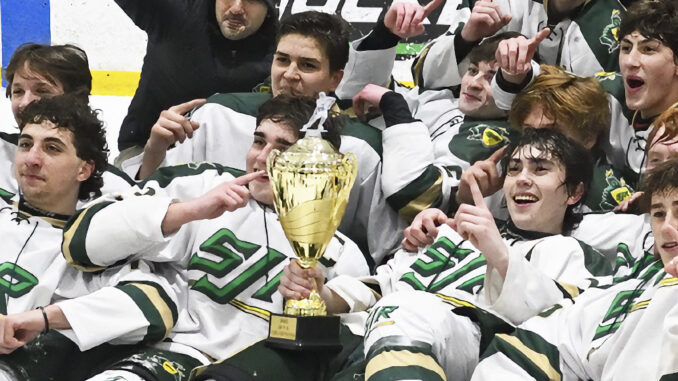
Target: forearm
{"points": [[177, 215], [335, 303], [152, 158]]}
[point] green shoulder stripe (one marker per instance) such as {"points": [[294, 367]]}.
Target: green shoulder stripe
{"points": [[164, 176], [158, 308], [244, 103], [613, 83], [12, 138], [594, 261], [529, 351], [357, 129], [6, 195], [422, 193], [75, 233], [114, 170], [599, 24]]}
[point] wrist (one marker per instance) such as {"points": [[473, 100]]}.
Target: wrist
{"points": [[56, 318]]}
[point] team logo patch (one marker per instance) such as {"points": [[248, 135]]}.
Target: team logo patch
{"points": [[489, 136], [616, 192], [610, 36], [380, 316]]}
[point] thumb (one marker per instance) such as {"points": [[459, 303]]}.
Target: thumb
{"points": [[506, 19]]}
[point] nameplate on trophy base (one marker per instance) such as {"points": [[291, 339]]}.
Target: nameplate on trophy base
{"points": [[302, 333]]}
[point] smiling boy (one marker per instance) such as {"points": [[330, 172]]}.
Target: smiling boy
{"points": [[623, 332], [441, 302]]}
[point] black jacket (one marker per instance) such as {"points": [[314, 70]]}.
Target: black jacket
{"points": [[187, 57]]}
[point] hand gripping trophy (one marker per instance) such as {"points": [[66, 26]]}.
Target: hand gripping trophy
{"points": [[311, 182]]}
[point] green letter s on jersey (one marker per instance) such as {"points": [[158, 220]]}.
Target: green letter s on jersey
{"points": [[230, 260], [15, 282]]}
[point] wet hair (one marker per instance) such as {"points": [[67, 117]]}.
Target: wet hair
{"points": [[661, 179], [668, 119], [578, 103], [330, 31], [294, 112], [485, 51], [575, 159], [653, 19], [64, 64], [89, 137]]}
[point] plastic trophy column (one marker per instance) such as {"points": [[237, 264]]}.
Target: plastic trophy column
{"points": [[311, 182]]}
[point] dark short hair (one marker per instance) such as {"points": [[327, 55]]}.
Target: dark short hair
{"points": [[653, 19], [294, 112], [485, 51], [661, 179], [66, 64], [89, 137], [330, 31], [575, 159]]}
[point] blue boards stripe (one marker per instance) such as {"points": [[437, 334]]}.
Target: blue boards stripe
{"points": [[23, 21]]}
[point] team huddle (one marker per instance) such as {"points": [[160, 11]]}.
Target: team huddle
{"points": [[514, 214]]}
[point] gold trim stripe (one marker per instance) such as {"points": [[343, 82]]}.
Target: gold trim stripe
{"points": [[540, 360], [668, 282], [423, 201], [572, 290], [159, 303], [394, 358], [68, 238], [256, 311], [454, 301]]}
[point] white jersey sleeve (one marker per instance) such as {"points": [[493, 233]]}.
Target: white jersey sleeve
{"points": [[131, 304]]}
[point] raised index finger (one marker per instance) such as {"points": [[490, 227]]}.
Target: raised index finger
{"points": [[428, 8], [188, 106], [475, 192], [497, 155], [541, 35], [245, 179]]}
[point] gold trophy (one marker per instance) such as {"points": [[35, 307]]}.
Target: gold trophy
{"points": [[311, 182]]}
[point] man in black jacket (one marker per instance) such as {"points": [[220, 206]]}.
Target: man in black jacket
{"points": [[195, 49]]}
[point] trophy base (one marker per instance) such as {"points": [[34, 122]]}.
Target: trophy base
{"points": [[300, 333]]}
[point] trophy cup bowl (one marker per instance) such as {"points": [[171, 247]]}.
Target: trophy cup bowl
{"points": [[311, 183]]}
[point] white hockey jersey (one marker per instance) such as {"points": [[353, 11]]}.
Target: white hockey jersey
{"points": [[227, 124], [137, 307], [542, 270], [232, 264], [584, 44], [623, 332]]}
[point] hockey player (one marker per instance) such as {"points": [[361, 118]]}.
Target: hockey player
{"points": [[311, 51], [582, 36], [463, 128], [35, 71], [435, 302], [60, 159], [577, 107], [599, 337], [224, 238], [648, 84]]}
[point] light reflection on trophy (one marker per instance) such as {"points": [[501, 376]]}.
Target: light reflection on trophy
{"points": [[311, 182]]}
